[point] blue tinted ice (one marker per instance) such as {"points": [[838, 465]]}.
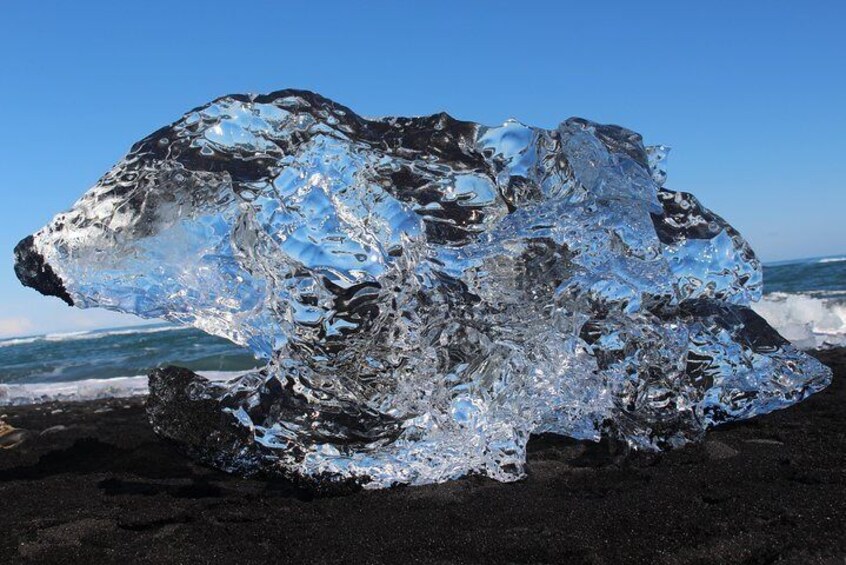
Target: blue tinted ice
{"points": [[426, 292]]}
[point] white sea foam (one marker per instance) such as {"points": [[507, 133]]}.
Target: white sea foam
{"points": [[91, 334], [832, 260], [810, 322], [89, 389], [98, 334], [19, 341]]}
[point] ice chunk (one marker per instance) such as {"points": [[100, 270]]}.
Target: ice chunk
{"points": [[427, 292]]}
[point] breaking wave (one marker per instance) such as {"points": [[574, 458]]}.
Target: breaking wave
{"points": [[90, 334], [809, 320]]}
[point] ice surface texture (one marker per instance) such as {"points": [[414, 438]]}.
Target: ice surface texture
{"points": [[427, 292]]}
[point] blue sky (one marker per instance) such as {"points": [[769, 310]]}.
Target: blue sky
{"points": [[749, 95]]}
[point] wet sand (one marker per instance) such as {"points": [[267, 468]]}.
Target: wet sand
{"points": [[90, 482]]}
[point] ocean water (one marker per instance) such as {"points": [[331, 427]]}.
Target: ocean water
{"points": [[805, 300], [111, 362]]}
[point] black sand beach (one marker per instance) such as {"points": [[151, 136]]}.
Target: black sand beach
{"points": [[92, 483]]}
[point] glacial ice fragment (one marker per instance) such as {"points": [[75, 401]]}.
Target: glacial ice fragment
{"points": [[427, 292]]}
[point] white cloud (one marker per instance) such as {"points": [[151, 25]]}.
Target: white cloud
{"points": [[13, 327]]}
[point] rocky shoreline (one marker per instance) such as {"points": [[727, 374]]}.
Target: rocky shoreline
{"points": [[90, 482]]}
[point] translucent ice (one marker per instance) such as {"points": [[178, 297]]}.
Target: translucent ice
{"points": [[427, 292]]}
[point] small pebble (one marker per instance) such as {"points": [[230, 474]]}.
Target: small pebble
{"points": [[764, 441], [53, 429], [10, 436], [719, 450]]}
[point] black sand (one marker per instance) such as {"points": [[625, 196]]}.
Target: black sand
{"points": [[92, 483]]}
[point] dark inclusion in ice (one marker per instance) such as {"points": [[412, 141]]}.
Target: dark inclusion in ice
{"points": [[427, 292]]}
